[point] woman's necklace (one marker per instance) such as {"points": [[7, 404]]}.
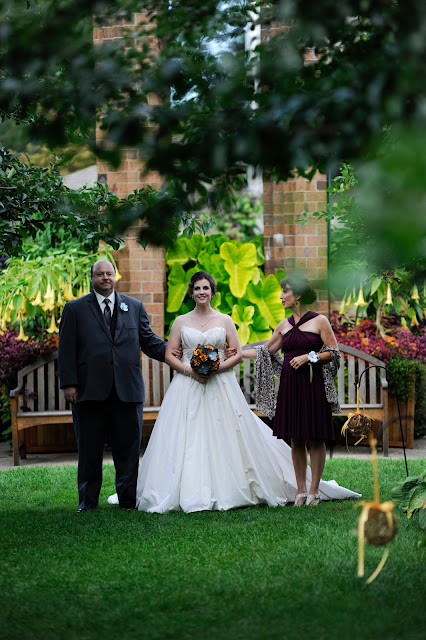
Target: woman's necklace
{"points": [[200, 323]]}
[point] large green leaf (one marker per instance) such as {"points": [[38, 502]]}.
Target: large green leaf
{"points": [[243, 318], [266, 295], [213, 263], [417, 499], [239, 263], [403, 491], [178, 253], [217, 300], [280, 274], [178, 286], [260, 329], [18, 300]]}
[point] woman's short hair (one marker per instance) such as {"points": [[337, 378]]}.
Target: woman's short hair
{"points": [[202, 275], [300, 287]]}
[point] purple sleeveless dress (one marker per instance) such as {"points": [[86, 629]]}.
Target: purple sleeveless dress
{"points": [[302, 409]]}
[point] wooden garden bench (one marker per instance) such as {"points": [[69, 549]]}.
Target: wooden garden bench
{"points": [[38, 400], [353, 362]]}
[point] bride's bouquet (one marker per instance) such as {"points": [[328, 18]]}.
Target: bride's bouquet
{"points": [[205, 359]]}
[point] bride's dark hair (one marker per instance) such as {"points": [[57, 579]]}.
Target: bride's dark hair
{"points": [[202, 275]]}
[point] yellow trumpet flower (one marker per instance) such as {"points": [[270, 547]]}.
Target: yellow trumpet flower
{"points": [[49, 299], [388, 295], [342, 307], [67, 292], [360, 302], [52, 327], [59, 302], [414, 322], [22, 335], [415, 293], [37, 300], [117, 274], [404, 323]]}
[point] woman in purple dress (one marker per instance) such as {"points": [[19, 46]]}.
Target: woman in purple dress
{"points": [[303, 413]]}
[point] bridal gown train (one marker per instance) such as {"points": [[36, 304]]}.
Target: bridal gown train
{"points": [[209, 451]]}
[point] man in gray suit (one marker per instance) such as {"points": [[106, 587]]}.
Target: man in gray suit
{"points": [[100, 338]]}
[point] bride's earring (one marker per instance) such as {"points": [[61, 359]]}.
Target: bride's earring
{"points": [[296, 304]]}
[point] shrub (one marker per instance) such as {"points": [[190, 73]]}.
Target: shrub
{"points": [[243, 291], [14, 355], [402, 351]]}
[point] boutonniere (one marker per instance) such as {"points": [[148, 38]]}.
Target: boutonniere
{"points": [[124, 307]]}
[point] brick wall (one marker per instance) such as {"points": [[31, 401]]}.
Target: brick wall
{"points": [[287, 244], [142, 270]]}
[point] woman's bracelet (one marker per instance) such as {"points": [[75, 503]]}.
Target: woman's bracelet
{"points": [[185, 366]]}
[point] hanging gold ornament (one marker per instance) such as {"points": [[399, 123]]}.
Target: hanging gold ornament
{"points": [[377, 524], [357, 424]]}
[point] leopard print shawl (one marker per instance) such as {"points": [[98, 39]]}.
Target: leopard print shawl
{"points": [[267, 366]]}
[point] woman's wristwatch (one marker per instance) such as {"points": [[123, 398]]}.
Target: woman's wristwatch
{"points": [[313, 357]]}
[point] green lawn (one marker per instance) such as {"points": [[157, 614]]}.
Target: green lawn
{"points": [[245, 574]]}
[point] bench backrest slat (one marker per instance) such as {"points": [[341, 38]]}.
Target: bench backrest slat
{"points": [[341, 381], [51, 385], [32, 381], [156, 395], [372, 385], [41, 404], [362, 387], [351, 379]]}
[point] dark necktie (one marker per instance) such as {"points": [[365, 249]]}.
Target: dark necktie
{"points": [[107, 312]]}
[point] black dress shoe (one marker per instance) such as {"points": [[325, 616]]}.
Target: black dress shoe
{"points": [[86, 509], [125, 507]]}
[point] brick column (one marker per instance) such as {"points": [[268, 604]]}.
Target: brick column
{"points": [[143, 271], [290, 246]]}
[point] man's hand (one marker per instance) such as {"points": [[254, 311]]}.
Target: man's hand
{"points": [[177, 353], [71, 394]]}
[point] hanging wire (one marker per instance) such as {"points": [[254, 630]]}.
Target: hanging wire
{"points": [[386, 426]]}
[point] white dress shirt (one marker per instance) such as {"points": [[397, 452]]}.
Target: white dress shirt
{"points": [[100, 298]]}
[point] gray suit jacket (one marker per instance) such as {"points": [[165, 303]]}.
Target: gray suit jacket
{"points": [[91, 360]]}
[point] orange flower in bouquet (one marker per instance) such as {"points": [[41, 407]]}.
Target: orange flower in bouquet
{"points": [[205, 359]]}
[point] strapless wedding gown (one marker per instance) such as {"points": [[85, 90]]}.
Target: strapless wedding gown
{"points": [[209, 451]]}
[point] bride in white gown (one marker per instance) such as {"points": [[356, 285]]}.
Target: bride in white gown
{"points": [[208, 450]]}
